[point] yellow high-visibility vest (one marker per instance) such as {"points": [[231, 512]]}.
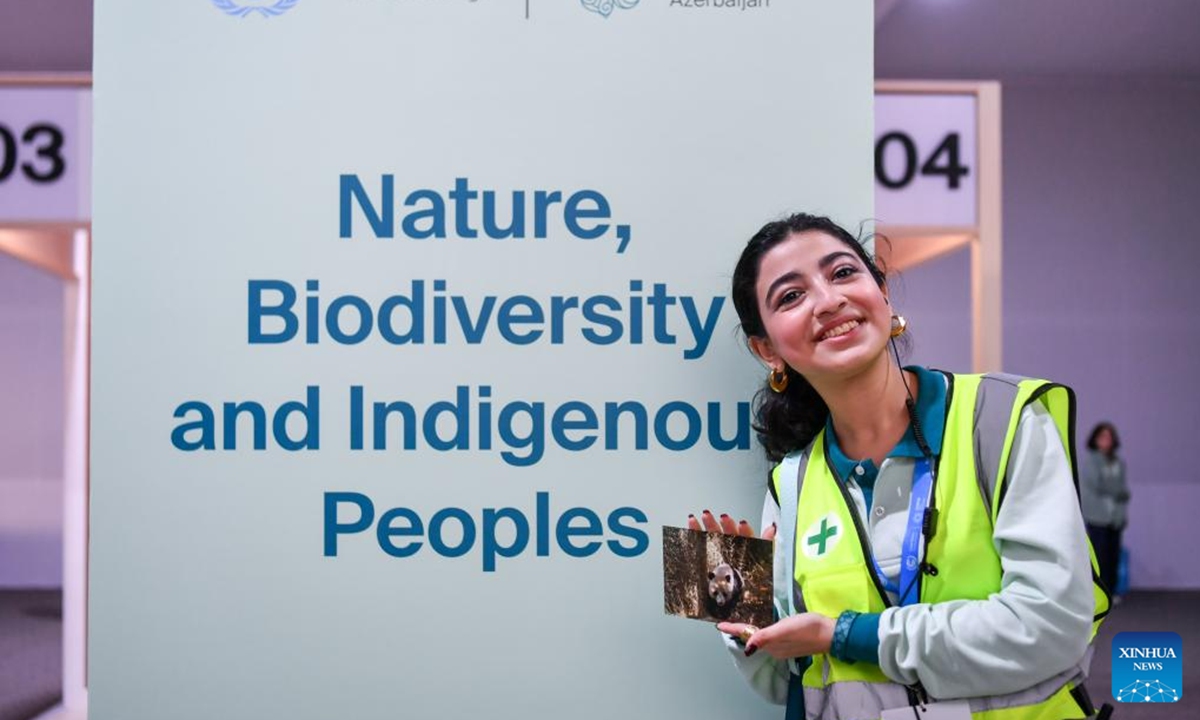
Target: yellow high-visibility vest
{"points": [[971, 481]]}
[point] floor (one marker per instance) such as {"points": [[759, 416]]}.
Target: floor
{"points": [[30, 652], [1151, 611]]}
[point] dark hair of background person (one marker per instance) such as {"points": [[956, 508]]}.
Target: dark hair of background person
{"points": [[789, 420], [1101, 426]]}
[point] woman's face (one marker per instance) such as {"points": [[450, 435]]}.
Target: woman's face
{"points": [[823, 313], [1104, 441]]}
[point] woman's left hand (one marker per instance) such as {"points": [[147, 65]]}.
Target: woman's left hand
{"points": [[796, 636]]}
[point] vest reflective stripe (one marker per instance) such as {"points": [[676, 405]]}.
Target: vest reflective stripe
{"points": [[1060, 401], [831, 573], [1048, 700], [995, 398], [792, 467]]}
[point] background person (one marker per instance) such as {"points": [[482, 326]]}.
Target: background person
{"points": [[1104, 495]]}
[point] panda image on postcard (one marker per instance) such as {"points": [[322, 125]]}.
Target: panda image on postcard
{"points": [[717, 577]]}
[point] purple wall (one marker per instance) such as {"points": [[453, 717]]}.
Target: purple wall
{"points": [[31, 425], [936, 299], [35, 36], [1101, 259], [1101, 256], [45, 35]]}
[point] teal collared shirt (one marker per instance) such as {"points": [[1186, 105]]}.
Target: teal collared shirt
{"points": [[856, 636], [931, 414]]}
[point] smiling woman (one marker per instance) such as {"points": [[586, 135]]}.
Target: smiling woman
{"points": [[771, 289], [929, 544]]}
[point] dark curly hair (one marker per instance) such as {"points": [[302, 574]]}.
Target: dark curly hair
{"points": [[789, 420], [1101, 427]]}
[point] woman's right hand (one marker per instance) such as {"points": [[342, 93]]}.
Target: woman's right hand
{"points": [[726, 524]]}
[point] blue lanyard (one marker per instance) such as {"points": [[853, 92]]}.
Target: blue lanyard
{"points": [[910, 555]]}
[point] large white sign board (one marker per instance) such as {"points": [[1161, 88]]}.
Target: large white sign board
{"points": [[411, 331]]}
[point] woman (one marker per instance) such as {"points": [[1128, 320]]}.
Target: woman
{"points": [[1104, 497], [981, 590]]}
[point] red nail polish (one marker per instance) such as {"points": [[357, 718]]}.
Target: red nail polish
{"points": [[750, 650], [724, 516], [707, 512]]}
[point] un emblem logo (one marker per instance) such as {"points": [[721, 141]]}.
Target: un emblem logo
{"points": [[268, 8], [606, 7]]}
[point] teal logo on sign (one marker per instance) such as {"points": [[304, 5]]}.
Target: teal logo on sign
{"points": [[266, 9], [606, 7], [1147, 667]]}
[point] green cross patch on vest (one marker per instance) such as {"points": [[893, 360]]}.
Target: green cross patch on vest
{"points": [[822, 536]]}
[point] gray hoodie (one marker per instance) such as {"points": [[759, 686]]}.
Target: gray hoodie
{"points": [[1102, 490]]}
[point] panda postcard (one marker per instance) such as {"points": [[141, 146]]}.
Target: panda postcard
{"points": [[715, 577]]}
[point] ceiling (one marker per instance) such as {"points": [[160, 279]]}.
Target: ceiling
{"points": [[1013, 40], [1007, 40]]}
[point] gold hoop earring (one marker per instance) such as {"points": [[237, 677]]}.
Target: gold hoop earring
{"points": [[778, 380], [899, 325]]}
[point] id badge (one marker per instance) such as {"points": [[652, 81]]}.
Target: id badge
{"points": [[956, 710]]}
